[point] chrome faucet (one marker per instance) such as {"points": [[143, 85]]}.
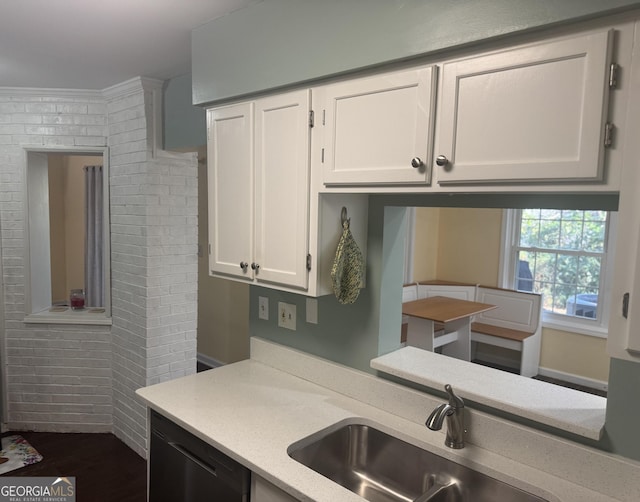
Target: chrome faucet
{"points": [[453, 411]]}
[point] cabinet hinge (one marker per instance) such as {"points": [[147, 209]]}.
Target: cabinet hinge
{"points": [[613, 75], [309, 262], [608, 134], [311, 119]]}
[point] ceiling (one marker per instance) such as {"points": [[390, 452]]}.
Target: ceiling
{"points": [[93, 44]]}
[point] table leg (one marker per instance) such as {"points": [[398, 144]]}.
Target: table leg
{"points": [[420, 333], [461, 348]]}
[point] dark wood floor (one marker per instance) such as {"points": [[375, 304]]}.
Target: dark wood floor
{"points": [[106, 470]]}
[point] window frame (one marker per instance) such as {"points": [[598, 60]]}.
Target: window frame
{"points": [[67, 317], [509, 247]]}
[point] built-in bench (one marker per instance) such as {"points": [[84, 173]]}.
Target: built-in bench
{"points": [[514, 324]]}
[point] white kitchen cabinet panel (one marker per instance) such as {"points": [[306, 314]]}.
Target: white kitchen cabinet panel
{"points": [[259, 190], [263, 491], [623, 340], [282, 188], [230, 190], [534, 113], [379, 130]]}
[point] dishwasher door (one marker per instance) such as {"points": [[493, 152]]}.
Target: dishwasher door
{"points": [[185, 468]]}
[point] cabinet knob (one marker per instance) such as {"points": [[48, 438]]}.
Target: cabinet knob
{"points": [[441, 160], [244, 265], [255, 266], [416, 162]]}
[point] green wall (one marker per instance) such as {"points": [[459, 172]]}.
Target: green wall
{"points": [[349, 334], [276, 43], [623, 409], [184, 124]]}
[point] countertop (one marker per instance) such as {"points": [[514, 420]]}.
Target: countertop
{"points": [[254, 410], [566, 409]]}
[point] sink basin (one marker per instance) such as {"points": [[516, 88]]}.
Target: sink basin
{"points": [[383, 468]]}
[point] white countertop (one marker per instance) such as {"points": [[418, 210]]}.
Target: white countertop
{"points": [[253, 412]]}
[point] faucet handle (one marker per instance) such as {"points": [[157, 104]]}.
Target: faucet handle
{"points": [[455, 401]]}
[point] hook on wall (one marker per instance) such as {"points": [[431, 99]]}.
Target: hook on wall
{"points": [[343, 216]]}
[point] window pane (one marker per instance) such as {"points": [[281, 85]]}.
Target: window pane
{"points": [[529, 231], [550, 214], [545, 267], [531, 214], [524, 274], [583, 304], [572, 215], [593, 238], [569, 279], [562, 293], [546, 289], [549, 233], [566, 269], [571, 234], [589, 272], [595, 216]]}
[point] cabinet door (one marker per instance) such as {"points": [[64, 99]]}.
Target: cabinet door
{"points": [[230, 182], [263, 491], [282, 188], [535, 113], [376, 126]]}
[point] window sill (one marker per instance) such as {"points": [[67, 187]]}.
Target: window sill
{"points": [[69, 316], [596, 331]]}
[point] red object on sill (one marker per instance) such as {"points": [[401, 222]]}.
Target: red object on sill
{"points": [[77, 299]]}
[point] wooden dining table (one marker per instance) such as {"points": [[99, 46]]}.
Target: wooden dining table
{"points": [[440, 321]]}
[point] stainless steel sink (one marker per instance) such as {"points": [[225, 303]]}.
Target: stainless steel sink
{"points": [[383, 468]]}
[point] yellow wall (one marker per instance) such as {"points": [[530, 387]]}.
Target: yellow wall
{"points": [[575, 353], [468, 250], [74, 217], [66, 219], [469, 245], [425, 259], [59, 291]]}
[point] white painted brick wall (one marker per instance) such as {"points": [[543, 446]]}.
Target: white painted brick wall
{"points": [[58, 377], [70, 378], [153, 330]]}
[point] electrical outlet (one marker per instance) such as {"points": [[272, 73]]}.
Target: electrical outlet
{"points": [[263, 308], [287, 315]]}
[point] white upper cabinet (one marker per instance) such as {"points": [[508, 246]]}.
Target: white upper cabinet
{"points": [[258, 168], [623, 341], [536, 113], [230, 189], [282, 188], [379, 130]]}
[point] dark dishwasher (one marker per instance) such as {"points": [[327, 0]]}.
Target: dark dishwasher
{"points": [[185, 468]]}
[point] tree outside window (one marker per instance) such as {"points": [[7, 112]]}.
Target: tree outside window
{"points": [[561, 254]]}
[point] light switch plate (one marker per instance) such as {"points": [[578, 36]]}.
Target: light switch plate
{"points": [[263, 308], [287, 315]]}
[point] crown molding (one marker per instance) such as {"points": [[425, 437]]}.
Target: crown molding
{"points": [[132, 86], [44, 92]]}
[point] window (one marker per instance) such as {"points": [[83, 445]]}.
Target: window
{"points": [[67, 238], [563, 255]]}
